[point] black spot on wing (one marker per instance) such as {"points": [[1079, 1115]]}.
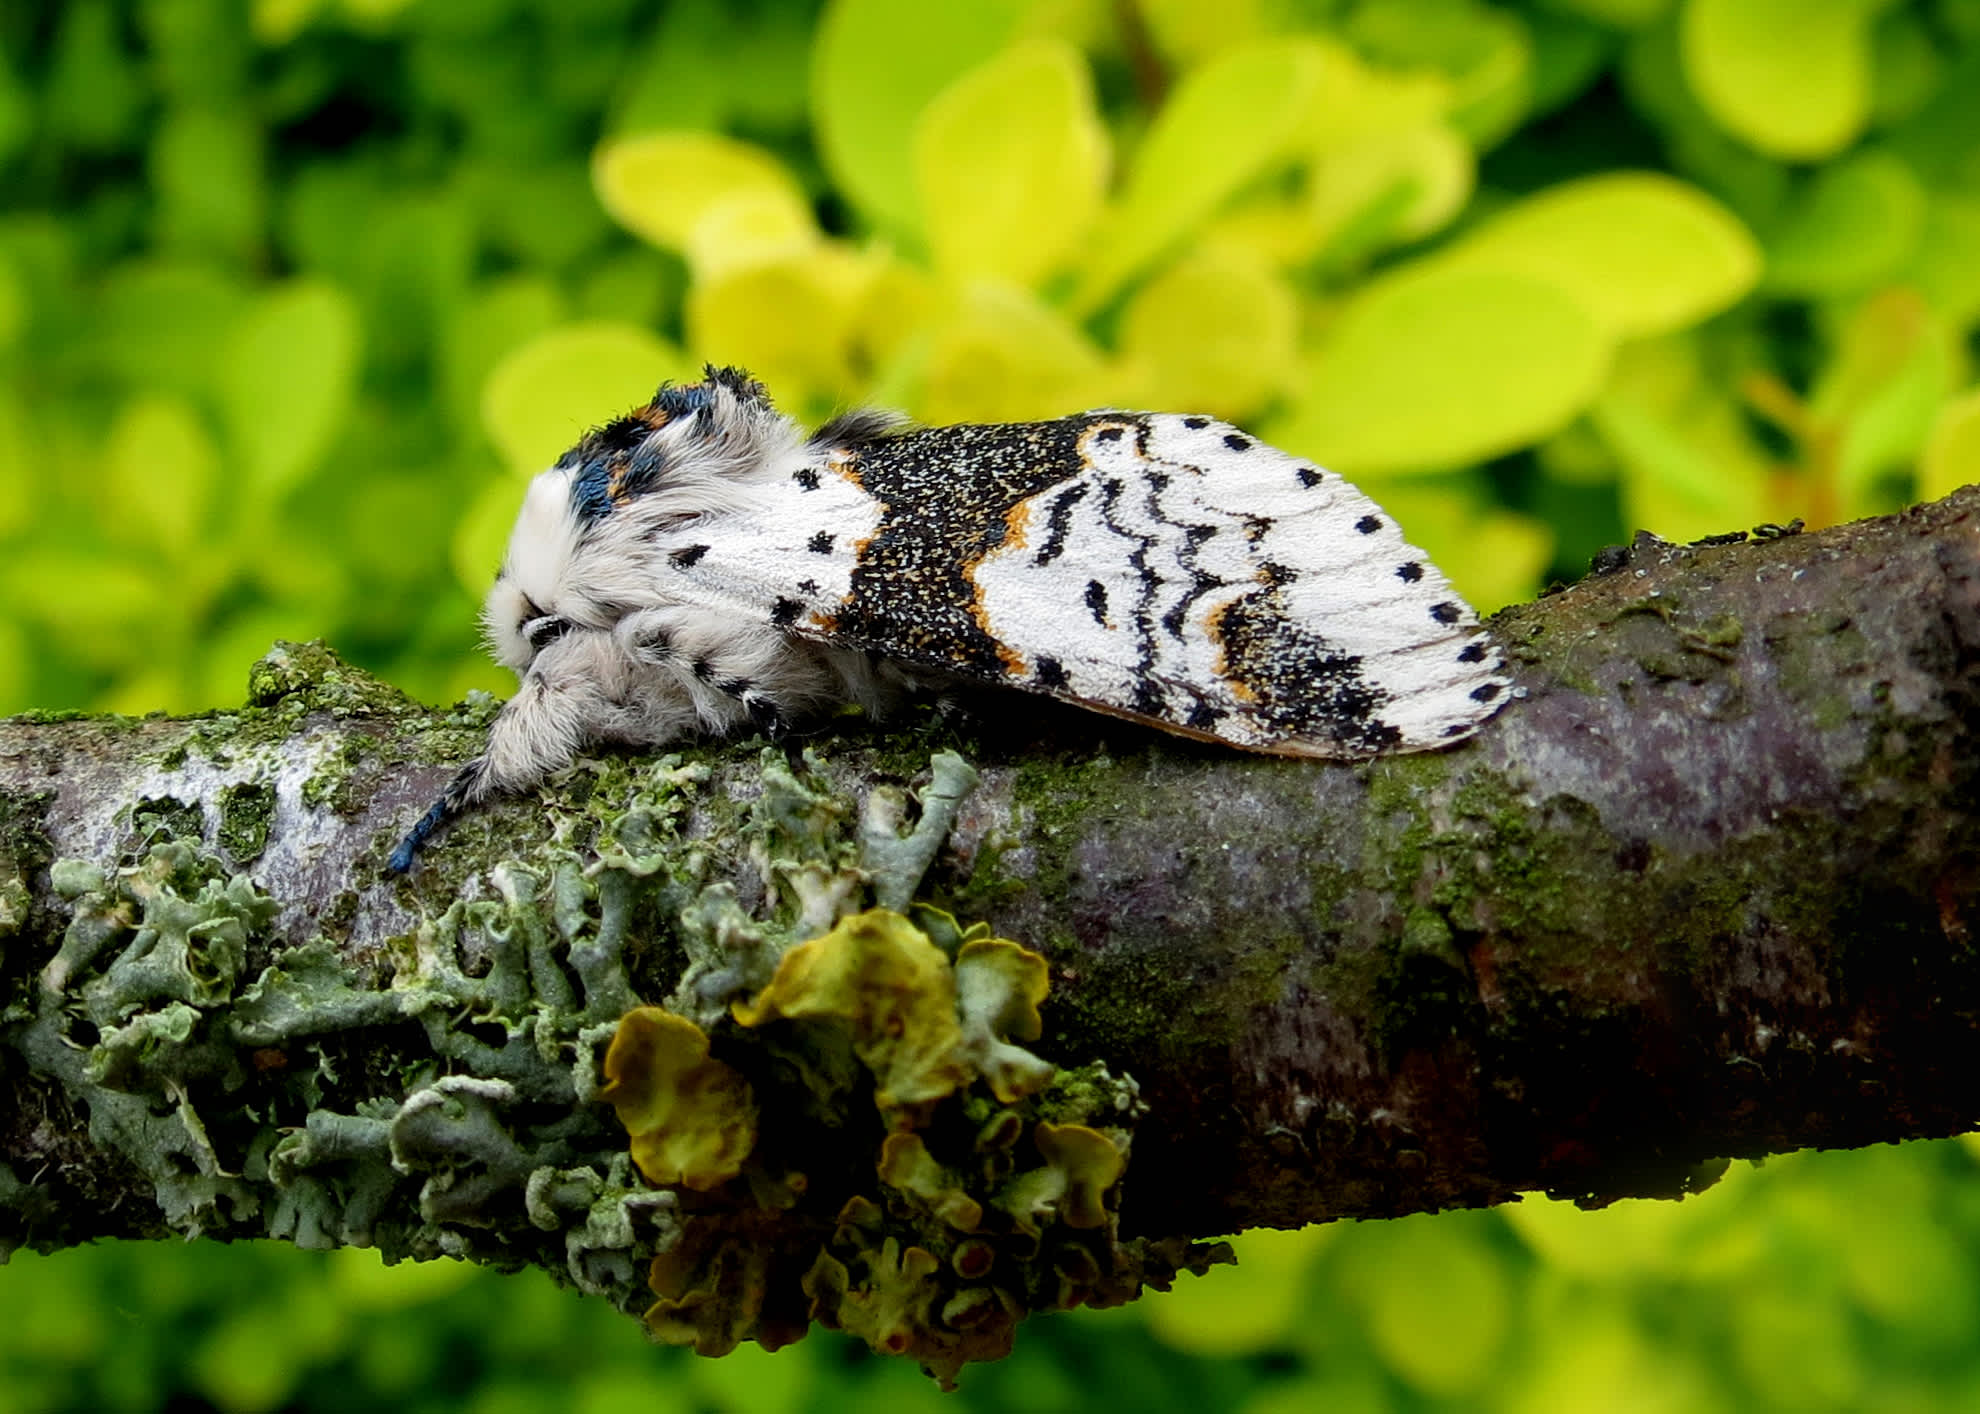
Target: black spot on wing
{"points": [[1237, 443], [1309, 477], [1409, 572], [1472, 653], [807, 586], [687, 556], [785, 612], [1368, 525], [1048, 672], [806, 477], [1446, 612], [1485, 692], [1296, 681], [1196, 424], [1096, 601], [1107, 434], [820, 544]]}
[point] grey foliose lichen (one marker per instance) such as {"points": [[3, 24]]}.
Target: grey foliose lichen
{"points": [[921, 1177], [815, 866], [471, 1132]]}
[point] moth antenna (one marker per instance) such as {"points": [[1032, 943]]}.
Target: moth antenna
{"points": [[462, 791]]}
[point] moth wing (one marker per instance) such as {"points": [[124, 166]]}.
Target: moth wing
{"points": [[783, 556], [1165, 568], [1186, 574]]}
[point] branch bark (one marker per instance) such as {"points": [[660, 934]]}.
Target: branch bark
{"points": [[1704, 889]]}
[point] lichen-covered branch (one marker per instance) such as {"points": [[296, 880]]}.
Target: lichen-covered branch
{"points": [[1704, 889]]}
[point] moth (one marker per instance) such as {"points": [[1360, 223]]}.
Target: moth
{"points": [[701, 566]]}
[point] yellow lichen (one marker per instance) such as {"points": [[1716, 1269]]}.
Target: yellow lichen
{"points": [[998, 988], [891, 1311], [692, 1119], [1081, 1164], [726, 1281], [879, 975], [941, 1257], [906, 1165]]}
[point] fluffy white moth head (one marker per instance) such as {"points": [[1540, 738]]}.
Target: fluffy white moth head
{"points": [[578, 611]]}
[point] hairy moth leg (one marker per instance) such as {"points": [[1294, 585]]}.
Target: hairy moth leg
{"points": [[560, 704]]}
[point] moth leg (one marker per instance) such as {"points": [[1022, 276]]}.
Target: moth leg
{"points": [[463, 790], [768, 717], [717, 665], [538, 731]]}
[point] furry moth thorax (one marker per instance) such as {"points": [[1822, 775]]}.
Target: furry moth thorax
{"points": [[700, 566]]}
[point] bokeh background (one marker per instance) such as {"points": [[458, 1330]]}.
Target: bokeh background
{"points": [[295, 293]]}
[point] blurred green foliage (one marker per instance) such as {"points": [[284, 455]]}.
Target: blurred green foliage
{"points": [[1842, 1281], [294, 293]]}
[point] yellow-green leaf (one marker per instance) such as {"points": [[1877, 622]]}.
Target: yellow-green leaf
{"points": [[788, 321], [1436, 367], [542, 398], [501, 315], [1435, 1300], [19, 486], [165, 325], [16, 669], [1257, 1308], [666, 187], [1493, 556], [1225, 124], [276, 22], [1856, 224], [1483, 50], [1006, 357], [1011, 163], [1641, 252], [13, 304], [1413, 183], [1891, 368], [285, 382], [1952, 453], [1213, 333], [1789, 77], [1187, 32], [1945, 266], [1689, 464], [875, 66], [482, 534], [160, 472], [1617, 14], [96, 599]]}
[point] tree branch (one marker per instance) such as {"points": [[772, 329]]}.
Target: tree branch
{"points": [[1705, 889]]}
